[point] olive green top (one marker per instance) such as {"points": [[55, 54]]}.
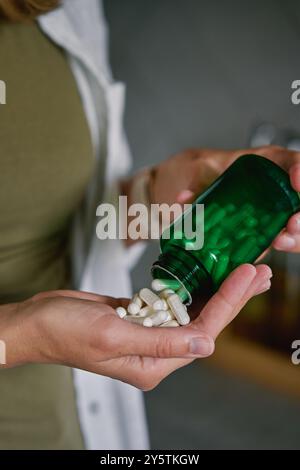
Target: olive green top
{"points": [[46, 161]]}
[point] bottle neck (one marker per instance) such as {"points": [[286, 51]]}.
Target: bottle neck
{"points": [[179, 264]]}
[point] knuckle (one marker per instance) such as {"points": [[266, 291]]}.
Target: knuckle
{"points": [[47, 300], [163, 346], [39, 296], [270, 149], [107, 312], [107, 335], [43, 302]]}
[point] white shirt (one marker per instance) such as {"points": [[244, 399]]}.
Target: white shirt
{"points": [[111, 413]]}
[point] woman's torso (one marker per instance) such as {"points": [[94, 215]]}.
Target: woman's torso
{"points": [[46, 161]]}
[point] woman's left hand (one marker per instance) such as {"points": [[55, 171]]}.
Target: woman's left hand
{"points": [[182, 177], [82, 330]]}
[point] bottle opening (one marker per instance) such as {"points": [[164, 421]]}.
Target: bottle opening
{"points": [[159, 272], [182, 266]]}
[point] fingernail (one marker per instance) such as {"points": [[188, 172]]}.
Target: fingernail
{"points": [[185, 195], [285, 242], [201, 346], [264, 287]]}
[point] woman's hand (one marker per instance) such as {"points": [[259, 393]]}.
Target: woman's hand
{"points": [[189, 173], [82, 330]]}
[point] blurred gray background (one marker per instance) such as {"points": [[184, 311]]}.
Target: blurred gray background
{"points": [[208, 73]]}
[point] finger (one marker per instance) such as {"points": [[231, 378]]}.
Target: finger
{"points": [[295, 176], [293, 226], [260, 283], [143, 372], [74, 294], [287, 242], [185, 196], [264, 287], [147, 372], [127, 339], [165, 366], [230, 298], [186, 342]]}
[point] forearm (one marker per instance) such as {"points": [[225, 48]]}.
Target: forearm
{"points": [[18, 335]]}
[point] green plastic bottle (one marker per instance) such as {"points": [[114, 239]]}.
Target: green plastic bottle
{"points": [[244, 210]]}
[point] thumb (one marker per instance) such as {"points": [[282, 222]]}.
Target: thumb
{"points": [[295, 176], [135, 340]]}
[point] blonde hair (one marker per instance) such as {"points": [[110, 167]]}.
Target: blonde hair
{"points": [[25, 10]]}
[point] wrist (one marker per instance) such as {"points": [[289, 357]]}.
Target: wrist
{"points": [[19, 338]]}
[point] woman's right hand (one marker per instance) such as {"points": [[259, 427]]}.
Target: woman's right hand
{"points": [[82, 330]]}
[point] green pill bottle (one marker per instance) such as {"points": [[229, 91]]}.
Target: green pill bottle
{"points": [[244, 210]]}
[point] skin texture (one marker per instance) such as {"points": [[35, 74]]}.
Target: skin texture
{"points": [[82, 330]]}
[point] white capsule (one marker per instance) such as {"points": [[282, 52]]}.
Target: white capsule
{"points": [[178, 309], [147, 322], [148, 296], [166, 293], [170, 324], [183, 294], [121, 311], [160, 304], [133, 308], [161, 284], [145, 311], [132, 319], [137, 300], [157, 318]]}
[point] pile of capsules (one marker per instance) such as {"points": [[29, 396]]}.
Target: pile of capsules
{"points": [[163, 305]]}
